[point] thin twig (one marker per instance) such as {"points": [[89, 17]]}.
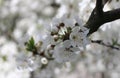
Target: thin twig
{"points": [[102, 43]]}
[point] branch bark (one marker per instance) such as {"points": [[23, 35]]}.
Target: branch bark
{"points": [[98, 17], [99, 7]]}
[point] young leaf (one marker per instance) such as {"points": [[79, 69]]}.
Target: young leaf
{"points": [[30, 45]]}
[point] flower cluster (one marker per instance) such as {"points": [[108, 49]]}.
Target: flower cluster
{"points": [[64, 40]]}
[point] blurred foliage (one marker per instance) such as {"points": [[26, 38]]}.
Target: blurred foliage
{"points": [[4, 58], [1, 2]]}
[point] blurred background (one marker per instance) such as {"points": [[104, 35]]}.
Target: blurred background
{"points": [[20, 19]]}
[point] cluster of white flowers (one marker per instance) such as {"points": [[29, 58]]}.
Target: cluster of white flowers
{"points": [[65, 38]]}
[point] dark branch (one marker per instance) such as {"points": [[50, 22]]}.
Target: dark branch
{"points": [[107, 45], [99, 7], [111, 15], [98, 17], [105, 1], [32, 74]]}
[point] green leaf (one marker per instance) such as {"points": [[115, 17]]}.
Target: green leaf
{"points": [[30, 45], [114, 41], [31, 41]]}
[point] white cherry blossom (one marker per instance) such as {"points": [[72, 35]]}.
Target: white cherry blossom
{"points": [[65, 52], [79, 36]]}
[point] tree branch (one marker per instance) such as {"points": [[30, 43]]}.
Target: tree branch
{"points": [[111, 15], [105, 1], [98, 17], [99, 7], [107, 45]]}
